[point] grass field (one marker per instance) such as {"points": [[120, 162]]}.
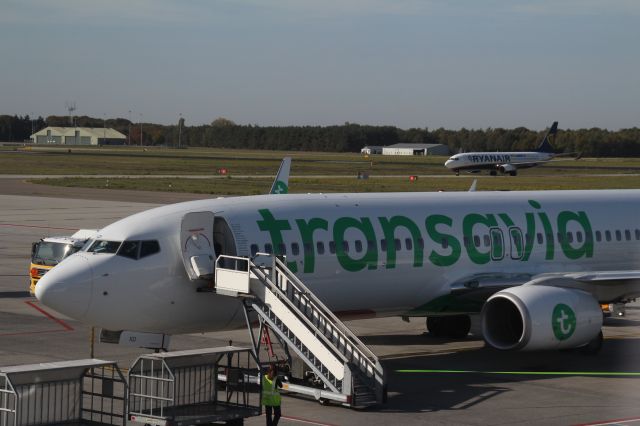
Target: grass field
{"points": [[250, 172]]}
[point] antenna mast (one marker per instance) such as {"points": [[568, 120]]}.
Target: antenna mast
{"points": [[71, 106]]}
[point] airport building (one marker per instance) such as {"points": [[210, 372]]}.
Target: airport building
{"points": [[78, 136], [416, 149], [371, 149]]}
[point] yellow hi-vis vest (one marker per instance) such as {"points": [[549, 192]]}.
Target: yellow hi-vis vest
{"points": [[270, 392]]}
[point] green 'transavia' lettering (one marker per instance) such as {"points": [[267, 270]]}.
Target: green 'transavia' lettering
{"points": [[443, 246]]}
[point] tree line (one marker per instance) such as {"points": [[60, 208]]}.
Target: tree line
{"points": [[349, 137]]}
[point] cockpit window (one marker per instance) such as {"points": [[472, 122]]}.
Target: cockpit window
{"points": [[103, 246], [129, 249], [87, 245], [138, 249], [148, 248]]}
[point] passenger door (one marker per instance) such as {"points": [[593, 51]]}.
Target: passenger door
{"points": [[196, 237]]}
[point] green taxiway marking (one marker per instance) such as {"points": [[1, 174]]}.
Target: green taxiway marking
{"points": [[529, 373]]}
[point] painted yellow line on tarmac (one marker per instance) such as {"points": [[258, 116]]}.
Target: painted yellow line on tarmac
{"points": [[530, 373]]}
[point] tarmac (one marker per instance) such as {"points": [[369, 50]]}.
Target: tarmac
{"points": [[461, 382]]}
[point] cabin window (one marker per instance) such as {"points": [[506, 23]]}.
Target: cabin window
{"points": [[487, 240], [345, 246], [445, 243], [268, 248], [295, 249], [421, 243], [570, 237], [383, 245], [308, 247], [398, 244], [598, 236], [618, 235], [332, 247], [560, 239], [637, 234], [627, 235], [254, 249], [320, 247], [549, 237], [466, 241], [147, 248], [607, 235], [103, 246], [476, 240], [528, 238], [540, 238], [358, 245], [282, 249], [579, 236], [129, 249], [408, 243]]}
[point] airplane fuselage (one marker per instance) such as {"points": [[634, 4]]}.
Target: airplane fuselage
{"points": [[362, 254], [495, 160]]}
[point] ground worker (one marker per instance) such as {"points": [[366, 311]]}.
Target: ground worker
{"points": [[271, 395]]}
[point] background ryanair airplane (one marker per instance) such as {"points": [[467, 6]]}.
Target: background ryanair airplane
{"points": [[505, 162]]}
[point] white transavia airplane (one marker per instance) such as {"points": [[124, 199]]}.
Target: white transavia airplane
{"points": [[535, 265], [504, 162]]}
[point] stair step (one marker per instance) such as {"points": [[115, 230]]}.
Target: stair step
{"points": [[319, 320]]}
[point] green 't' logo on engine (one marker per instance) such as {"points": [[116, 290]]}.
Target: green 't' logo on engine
{"points": [[563, 321]]}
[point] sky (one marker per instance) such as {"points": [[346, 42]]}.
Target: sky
{"points": [[406, 63]]}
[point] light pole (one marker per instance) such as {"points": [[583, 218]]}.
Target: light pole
{"points": [[141, 130], [129, 134], [32, 128], [179, 130], [104, 129]]}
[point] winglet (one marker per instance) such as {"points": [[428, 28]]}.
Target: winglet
{"points": [[473, 186], [281, 183], [545, 145]]}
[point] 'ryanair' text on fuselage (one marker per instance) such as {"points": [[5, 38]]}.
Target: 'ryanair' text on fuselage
{"points": [[489, 158]]}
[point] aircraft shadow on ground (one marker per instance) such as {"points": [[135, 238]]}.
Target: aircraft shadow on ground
{"points": [[620, 322], [412, 339], [483, 377], [14, 294]]}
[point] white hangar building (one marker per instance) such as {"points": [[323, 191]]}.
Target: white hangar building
{"points": [[78, 136], [416, 149]]}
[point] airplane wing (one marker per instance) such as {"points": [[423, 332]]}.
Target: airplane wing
{"points": [[469, 294], [281, 182], [605, 286]]}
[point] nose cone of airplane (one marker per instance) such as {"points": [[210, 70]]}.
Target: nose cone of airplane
{"points": [[67, 288], [448, 163]]}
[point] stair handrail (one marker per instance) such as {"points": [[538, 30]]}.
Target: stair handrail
{"points": [[355, 351], [365, 351], [265, 278], [325, 377], [362, 350]]}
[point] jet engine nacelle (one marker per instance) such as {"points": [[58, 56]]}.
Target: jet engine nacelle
{"points": [[506, 168], [538, 317]]}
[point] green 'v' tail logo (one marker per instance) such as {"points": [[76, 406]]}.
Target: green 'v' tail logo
{"points": [[280, 188]]}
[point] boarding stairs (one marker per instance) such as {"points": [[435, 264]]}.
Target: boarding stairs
{"points": [[350, 372]]}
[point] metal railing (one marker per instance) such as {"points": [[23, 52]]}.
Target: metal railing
{"points": [[336, 336]]}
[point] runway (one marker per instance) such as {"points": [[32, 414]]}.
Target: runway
{"points": [[431, 381]]}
